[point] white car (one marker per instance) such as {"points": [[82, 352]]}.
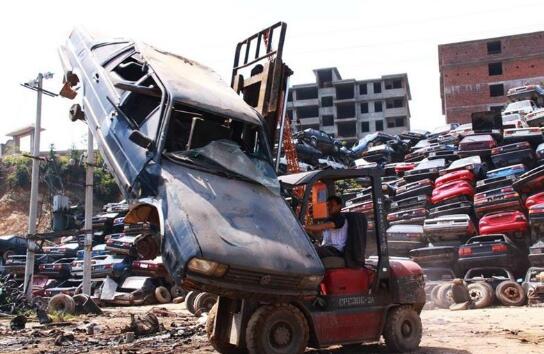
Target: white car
{"points": [[517, 110]]}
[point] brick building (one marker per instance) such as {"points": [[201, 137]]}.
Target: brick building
{"points": [[476, 75], [348, 108]]}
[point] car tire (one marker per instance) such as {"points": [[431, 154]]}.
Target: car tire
{"points": [[7, 254], [444, 297], [434, 295], [481, 294], [277, 329], [177, 291], [61, 303], [189, 301], [204, 303], [220, 346], [403, 329], [162, 295], [510, 293]]}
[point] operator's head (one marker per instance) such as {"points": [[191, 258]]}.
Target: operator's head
{"points": [[334, 204]]}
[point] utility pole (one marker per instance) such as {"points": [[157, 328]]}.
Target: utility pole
{"points": [[35, 85], [88, 215]]}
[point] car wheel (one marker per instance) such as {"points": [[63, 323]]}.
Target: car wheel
{"points": [[7, 254], [189, 301], [510, 293], [204, 303], [162, 295], [444, 296], [403, 329], [434, 294], [277, 329], [177, 291], [481, 294], [61, 303], [220, 346]]}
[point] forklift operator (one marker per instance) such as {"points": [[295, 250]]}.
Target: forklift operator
{"points": [[334, 230]]}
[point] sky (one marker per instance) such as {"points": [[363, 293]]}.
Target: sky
{"points": [[364, 39]]}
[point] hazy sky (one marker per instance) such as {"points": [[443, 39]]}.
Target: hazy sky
{"points": [[364, 39]]}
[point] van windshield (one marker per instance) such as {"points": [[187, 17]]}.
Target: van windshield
{"points": [[221, 145]]}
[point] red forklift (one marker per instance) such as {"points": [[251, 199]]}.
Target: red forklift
{"points": [[363, 296]]}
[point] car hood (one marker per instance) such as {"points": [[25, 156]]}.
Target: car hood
{"points": [[232, 221]]}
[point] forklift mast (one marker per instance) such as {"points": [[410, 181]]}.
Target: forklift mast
{"points": [[260, 75]]}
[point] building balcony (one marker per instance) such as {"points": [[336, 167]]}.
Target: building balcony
{"points": [[306, 103], [308, 121], [395, 112]]}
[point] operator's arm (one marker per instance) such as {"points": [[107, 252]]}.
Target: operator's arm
{"points": [[320, 227]]}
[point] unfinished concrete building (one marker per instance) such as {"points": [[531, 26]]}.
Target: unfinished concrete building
{"points": [[348, 108]]}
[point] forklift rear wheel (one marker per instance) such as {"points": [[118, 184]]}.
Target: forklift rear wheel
{"points": [[277, 329], [189, 301], [221, 347], [403, 329]]}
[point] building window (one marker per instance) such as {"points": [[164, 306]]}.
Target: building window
{"points": [[290, 113], [307, 93], [326, 101], [395, 122], [344, 92], [308, 112], [378, 107], [327, 120], [290, 96], [365, 127], [363, 89], [496, 90], [379, 125], [347, 129], [364, 107], [494, 47], [378, 87], [495, 69], [397, 103], [393, 84], [345, 110]]}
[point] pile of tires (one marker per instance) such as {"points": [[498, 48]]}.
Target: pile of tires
{"points": [[198, 302]]}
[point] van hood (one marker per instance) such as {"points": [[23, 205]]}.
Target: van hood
{"points": [[234, 222]]}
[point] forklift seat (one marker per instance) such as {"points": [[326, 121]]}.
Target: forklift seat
{"points": [[354, 253]]}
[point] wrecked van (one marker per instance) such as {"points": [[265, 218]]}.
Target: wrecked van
{"points": [[194, 160]]}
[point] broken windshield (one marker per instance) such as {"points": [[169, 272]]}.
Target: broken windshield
{"points": [[221, 145]]}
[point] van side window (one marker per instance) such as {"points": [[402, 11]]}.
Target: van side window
{"points": [[138, 106], [131, 69]]}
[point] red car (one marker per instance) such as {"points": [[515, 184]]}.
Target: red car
{"points": [[461, 175], [508, 222], [402, 167], [534, 199], [476, 145], [451, 190]]}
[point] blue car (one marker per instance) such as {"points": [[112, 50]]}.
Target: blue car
{"points": [[11, 245], [514, 170], [500, 177], [98, 250]]}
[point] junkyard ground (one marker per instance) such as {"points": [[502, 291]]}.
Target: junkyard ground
{"points": [[493, 330]]}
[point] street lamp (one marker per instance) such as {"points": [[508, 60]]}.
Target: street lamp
{"points": [[34, 85]]}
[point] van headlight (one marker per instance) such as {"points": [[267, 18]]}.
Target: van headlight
{"points": [[209, 268], [311, 281]]}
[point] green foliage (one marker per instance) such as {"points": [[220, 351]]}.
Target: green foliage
{"points": [[16, 160], [20, 177], [105, 187]]}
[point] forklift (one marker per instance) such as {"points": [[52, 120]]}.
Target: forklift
{"points": [[361, 297]]}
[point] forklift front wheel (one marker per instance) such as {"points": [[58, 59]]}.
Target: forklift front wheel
{"points": [[403, 329], [277, 329]]}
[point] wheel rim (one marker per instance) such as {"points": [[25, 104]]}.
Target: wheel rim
{"points": [[475, 295], [406, 329], [281, 335], [511, 293]]}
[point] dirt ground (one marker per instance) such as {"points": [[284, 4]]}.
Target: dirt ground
{"points": [[493, 330]]}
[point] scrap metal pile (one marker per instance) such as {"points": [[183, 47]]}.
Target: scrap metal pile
{"points": [[468, 201], [121, 271]]}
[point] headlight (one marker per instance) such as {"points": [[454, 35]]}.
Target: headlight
{"points": [[310, 281], [206, 267]]}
